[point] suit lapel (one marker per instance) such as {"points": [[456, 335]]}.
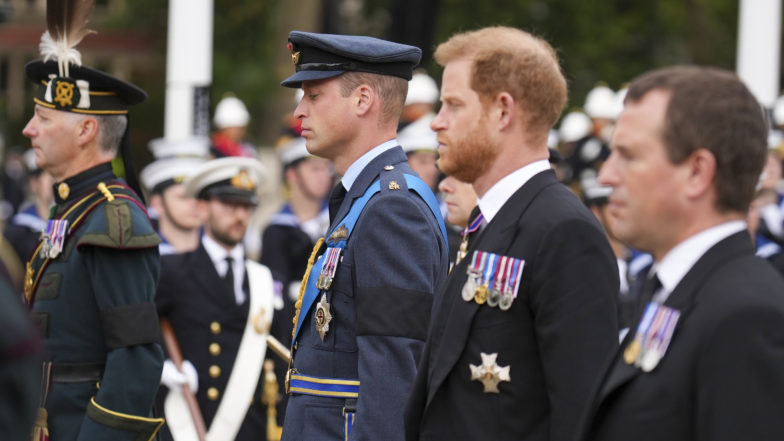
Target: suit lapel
{"points": [[682, 299], [457, 314]]}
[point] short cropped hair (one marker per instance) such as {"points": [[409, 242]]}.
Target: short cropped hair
{"points": [[111, 129], [392, 91], [711, 109], [510, 60]]}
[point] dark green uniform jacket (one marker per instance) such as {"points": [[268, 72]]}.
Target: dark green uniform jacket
{"points": [[94, 305]]}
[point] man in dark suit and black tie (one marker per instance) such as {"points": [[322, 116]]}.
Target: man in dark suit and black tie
{"points": [[527, 319], [704, 359]]}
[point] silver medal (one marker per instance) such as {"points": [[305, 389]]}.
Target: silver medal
{"points": [[493, 298], [506, 301], [469, 288]]}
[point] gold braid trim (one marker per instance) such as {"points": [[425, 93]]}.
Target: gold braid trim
{"points": [[304, 284]]}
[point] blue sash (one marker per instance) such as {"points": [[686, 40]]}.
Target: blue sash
{"points": [[347, 224]]}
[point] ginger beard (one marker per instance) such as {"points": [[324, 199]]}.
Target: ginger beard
{"points": [[469, 157]]}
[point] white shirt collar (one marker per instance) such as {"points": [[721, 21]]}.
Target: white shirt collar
{"points": [[678, 261], [218, 256], [357, 166], [501, 191]]}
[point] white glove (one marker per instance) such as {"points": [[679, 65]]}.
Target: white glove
{"points": [[174, 379]]}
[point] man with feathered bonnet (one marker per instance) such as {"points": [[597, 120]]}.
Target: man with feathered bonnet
{"points": [[92, 279]]}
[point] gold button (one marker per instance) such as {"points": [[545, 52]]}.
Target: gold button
{"points": [[389, 167], [215, 349], [296, 346], [215, 327], [215, 371], [213, 394]]}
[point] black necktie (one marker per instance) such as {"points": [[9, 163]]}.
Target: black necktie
{"points": [[228, 278], [335, 199], [651, 285]]}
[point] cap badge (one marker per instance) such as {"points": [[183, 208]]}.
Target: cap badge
{"points": [[65, 92], [294, 54], [242, 180], [489, 373]]}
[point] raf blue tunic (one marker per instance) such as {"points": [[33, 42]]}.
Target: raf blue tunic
{"points": [[380, 301]]}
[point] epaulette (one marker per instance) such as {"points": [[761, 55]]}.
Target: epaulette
{"points": [[124, 223], [392, 179]]}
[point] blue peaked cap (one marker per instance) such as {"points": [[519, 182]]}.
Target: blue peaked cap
{"points": [[322, 56]]}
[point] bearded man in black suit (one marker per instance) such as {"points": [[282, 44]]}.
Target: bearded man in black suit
{"points": [[527, 319]]}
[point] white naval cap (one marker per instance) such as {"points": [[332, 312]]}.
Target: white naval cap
{"points": [[593, 191], [418, 136], [231, 112], [422, 89], [196, 146], [292, 151], [232, 179], [160, 174]]}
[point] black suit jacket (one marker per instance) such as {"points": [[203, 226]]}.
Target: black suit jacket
{"points": [[556, 337], [722, 377]]}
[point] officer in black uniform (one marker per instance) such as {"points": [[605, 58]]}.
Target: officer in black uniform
{"points": [[220, 306], [92, 278]]}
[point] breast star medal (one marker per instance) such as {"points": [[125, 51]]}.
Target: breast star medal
{"points": [[323, 317], [489, 373]]}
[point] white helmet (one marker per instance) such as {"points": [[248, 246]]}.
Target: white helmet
{"points": [[231, 112], [601, 102], [422, 89], [574, 126]]}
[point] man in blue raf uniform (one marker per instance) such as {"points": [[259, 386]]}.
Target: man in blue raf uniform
{"points": [[363, 309], [92, 278], [527, 318], [703, 359], [220, 306]]}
